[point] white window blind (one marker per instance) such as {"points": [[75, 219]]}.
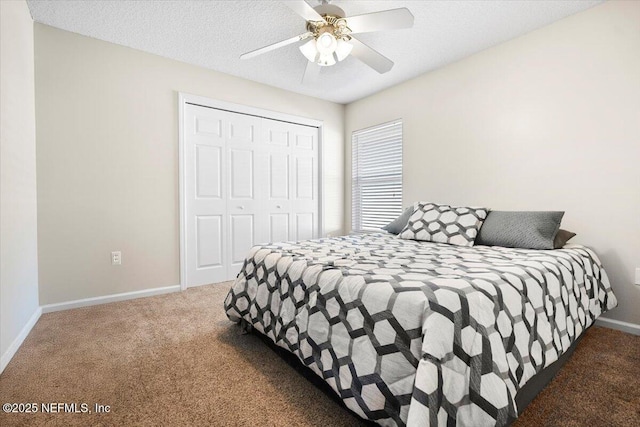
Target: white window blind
{"points": [[376, 191]]}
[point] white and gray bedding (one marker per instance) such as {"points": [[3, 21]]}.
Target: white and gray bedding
{"points": [[421, 333]]}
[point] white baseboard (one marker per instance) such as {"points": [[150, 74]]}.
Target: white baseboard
{"points": [[207, 284], [631, 328], [15, 345], [86, 302]]}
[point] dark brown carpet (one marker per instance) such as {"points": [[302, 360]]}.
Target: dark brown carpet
{"points": [[176, 360]]}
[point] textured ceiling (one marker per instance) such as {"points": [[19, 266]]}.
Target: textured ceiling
{"points": [[213, 34]]}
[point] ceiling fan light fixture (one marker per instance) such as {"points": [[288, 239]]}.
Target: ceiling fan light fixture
{"points": [[343, 49], [310, 50], [326, 43], [331, 33]]}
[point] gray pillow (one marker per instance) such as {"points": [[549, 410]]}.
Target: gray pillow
{"points": [[528, 230], [562, 238], [396, 226]]}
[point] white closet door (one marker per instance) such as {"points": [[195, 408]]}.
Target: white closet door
{"points": [[304, 182], [277, 137], [206, 194], [246, 161], [292, 177], [248, 181]]}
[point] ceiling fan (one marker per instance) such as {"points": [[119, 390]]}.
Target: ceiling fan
{"points": [[330, 36]]}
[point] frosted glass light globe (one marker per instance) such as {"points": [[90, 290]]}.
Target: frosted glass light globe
{"points": [[326, 60], [309, 50], [326, 44], [343, 49]]}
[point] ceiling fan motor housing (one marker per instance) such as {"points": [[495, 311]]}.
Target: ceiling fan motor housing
{"points": [[335, 25], [330, 9]]}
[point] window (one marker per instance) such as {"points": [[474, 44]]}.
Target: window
{"points": [[376, 172]]}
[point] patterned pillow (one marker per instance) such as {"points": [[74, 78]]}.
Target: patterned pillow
{"points": [[445, 224]]}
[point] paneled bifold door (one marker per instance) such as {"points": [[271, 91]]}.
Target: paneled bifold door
{"points": [[248, 180]]}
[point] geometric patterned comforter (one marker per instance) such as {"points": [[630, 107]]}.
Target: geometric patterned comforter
{"points": [[420, 333]]}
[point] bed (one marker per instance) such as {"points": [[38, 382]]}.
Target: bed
{"points": [[420, 333]]}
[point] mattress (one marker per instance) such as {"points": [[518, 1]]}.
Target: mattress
{"points": [[420, 333]]}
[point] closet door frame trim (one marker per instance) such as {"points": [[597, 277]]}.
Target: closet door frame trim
{"points": [[186, 98]]}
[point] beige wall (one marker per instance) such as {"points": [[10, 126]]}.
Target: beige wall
{"points": [[18, 210], [107, 123], [548, 121]]}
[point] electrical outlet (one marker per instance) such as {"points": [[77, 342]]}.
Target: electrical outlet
{"points": [[637, 276], [116, 258]]}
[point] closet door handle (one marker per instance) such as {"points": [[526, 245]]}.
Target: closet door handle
{"points": [[241, 207], [278, 206]]}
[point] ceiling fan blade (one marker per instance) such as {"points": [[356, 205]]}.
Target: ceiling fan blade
{"points": [[311, 72], [275, 46], [303, 9], [392, 19], [372, 58]]}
